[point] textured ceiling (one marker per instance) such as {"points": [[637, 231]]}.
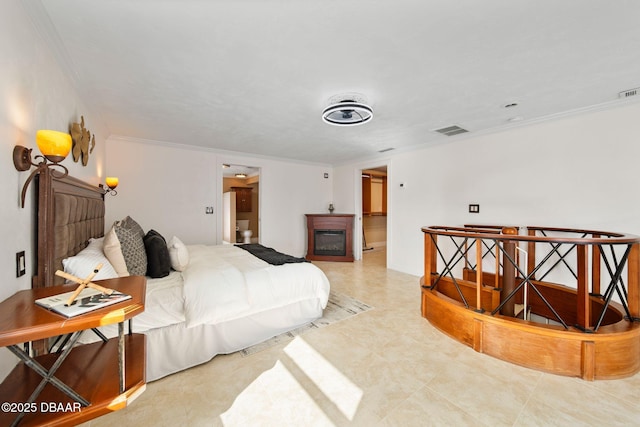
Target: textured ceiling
{"points": [[254, 76]]}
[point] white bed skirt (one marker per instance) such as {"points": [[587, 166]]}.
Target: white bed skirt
{"points": [[174, 348]]}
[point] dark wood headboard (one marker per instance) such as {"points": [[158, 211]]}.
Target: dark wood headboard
{"points": [[69, 213]]}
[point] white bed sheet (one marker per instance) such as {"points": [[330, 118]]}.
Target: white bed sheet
{"points": [[280, 298], [225, 282], [164, 303]]}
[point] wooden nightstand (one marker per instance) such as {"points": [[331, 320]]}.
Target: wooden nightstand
{"points": [[81, 382]]}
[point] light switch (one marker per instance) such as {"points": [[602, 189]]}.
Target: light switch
{"points": [[21, 265]]}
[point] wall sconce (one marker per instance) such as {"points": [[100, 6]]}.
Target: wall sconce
{"points": [[112, 183], [53, 145]]}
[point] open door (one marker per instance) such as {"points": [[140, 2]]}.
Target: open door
{"points": [[243, 182], [374, 209]]}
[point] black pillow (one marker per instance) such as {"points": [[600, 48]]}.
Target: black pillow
{"points": [[158, 260]]}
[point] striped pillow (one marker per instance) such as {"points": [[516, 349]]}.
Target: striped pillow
{"points": [[83, 263]]}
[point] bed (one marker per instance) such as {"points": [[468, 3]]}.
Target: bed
{"points": [[214, 300]]}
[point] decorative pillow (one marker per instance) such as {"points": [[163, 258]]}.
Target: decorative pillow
{"points": [[178, 254], [84, 262], [130, 224], [132, 247], [113, 252], [158, 261]]}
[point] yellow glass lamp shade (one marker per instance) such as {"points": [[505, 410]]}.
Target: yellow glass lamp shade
{"points": [[112, 182], [54, 145]]}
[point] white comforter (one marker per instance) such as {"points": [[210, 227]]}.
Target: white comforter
{"points": [[224, 283]]}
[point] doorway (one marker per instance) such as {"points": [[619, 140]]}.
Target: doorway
{"points": [[241, 202], [374, 214]]}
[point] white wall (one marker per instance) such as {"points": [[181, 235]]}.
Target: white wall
{"points": [[288, 192], [578, 171], [167, 187], [163, 187], [36, 94]]}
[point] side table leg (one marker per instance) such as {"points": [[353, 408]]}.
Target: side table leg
{"points": [[121, 356], [48, 375]]}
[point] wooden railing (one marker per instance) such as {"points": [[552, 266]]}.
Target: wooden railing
{"points": [[499, 269]]}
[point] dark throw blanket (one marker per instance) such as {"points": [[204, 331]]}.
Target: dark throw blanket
{"points": [[270, 255]]}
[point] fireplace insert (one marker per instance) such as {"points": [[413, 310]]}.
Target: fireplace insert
{"points": [[330, 242]]}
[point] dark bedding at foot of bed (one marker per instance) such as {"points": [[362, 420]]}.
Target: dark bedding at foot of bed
{"points": [[270, 255]]}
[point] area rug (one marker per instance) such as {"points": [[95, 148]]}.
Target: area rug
{"points": [[339, 307]]}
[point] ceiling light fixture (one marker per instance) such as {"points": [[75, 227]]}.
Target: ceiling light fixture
{"points": [[347, 110], [241, 175]]}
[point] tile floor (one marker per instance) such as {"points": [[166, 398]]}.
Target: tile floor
{"points": [[385, 367]]}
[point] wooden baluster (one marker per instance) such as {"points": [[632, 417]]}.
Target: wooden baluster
{"points": [[495, 295], [633, 281], [583, 299], [595, 267], [466, 254], [430, 260], [434, 259], [496, 279], [479, 275], [531, 257], [508, 272]]}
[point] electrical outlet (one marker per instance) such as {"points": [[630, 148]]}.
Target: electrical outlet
{"points": [[209, 210], [474, 208], [21, 265], [326, 175]]}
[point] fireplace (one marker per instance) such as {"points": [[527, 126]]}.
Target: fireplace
{"points": [[330, 242], [330, 237]]}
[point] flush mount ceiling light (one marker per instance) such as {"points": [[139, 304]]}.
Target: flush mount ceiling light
{"points": [[347, 110]]}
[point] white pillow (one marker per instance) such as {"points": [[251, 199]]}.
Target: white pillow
{"points": [[113, 252], [83, 264], [178, 253]]}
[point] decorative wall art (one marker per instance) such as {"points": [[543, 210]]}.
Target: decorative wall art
{"points": [[83, 142]]}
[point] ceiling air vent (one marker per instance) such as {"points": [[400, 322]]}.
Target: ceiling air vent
{"points": [[628, 93], [451, 130]]}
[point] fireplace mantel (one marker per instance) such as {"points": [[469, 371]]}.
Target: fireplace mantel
{"points": [[330, 237]]}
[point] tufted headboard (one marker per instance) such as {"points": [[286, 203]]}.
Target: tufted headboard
{"points": [[69, 213]]}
